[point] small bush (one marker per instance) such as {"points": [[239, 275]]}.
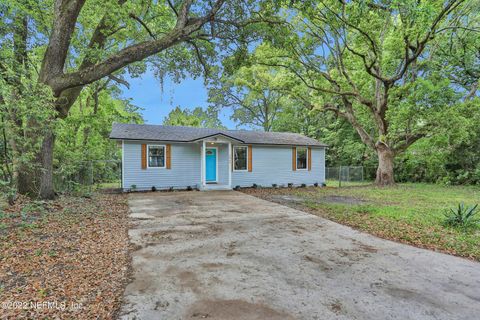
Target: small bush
{"points": [[254, 186], [303, 185], [290, 185], [8, 191], [315, 184], [170, 189], [133, 187], [274, 185], [236, 188], [462, 216], [154, 189], [189, 188]]}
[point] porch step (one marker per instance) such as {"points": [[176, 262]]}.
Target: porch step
{"points": [[209, 187]]}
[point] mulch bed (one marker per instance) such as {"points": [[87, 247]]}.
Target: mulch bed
{"points": [[64, 259]]}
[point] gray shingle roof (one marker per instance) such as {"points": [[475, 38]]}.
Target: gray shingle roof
{"points": [[188, 134]]}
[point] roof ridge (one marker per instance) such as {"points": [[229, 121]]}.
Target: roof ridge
{"points": [[146, 131]]}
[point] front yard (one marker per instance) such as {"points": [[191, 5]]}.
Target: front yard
{"points": [[408, 213], [64, 259]]}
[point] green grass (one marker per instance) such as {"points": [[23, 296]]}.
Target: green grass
{"points": [[336, 183], [409, 213]]}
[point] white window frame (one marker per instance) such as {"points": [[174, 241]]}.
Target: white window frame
{"points": [[306, 158], [246, 159], [164, 155]]}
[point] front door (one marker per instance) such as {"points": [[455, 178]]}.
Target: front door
{"points": [[211, 164]]}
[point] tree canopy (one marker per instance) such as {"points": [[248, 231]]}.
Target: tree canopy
{"points": [[392, 84]]}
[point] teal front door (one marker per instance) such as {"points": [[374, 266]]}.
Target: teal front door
{"points": [[211, 164]]}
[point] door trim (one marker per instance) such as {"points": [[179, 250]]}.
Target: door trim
{"points": [[216, 165]]}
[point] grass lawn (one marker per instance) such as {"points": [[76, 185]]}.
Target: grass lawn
{"points": [[408, 213]]}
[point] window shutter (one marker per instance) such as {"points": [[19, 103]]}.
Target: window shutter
{"points": [[309, 159], [168, 155], [294, 158], [144, 156], [249, 158]]}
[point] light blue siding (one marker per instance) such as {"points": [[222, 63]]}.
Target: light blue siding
{"points": [[223, 166], [270, 164], [185, 167]]}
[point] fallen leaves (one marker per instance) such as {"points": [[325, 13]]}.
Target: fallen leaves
{"points": [[71, 253]]}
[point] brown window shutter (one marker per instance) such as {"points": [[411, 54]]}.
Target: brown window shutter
{"points": [[144, 156], [309, 159], [249, 158], [294, 158], [169, 156]]}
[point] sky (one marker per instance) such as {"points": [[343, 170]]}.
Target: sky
{"points": [[146, 92]]}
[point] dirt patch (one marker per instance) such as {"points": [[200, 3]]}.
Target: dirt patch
{"points": [[336, 307], [324, 266], [189, 280], [289, 198], [213, 265], [193, 230], [367, 248], [234, 310], [231, 249], [342, 200], [280, 196]]}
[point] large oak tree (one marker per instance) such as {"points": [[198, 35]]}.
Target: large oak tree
{"points": [[373, 64], [78, 42]]}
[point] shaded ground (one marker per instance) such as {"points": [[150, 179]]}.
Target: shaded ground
{"points": [[63, 259], [408, 213], [228, 255], [286, 198]]}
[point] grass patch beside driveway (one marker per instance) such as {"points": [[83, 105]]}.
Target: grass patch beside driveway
{"points": [[408, 213]]}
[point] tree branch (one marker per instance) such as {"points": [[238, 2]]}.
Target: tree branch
{"points": [[135, 52]]}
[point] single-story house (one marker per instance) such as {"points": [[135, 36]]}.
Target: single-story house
{"points": [[178, 157]]}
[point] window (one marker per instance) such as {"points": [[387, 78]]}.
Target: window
{"points": [[301, 158], [156, 156], [240, 158]]}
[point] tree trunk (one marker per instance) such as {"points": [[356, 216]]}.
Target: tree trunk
{"points": [[385, 165], [46, 177]]}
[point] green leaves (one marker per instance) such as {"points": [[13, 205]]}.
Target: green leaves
{"points": [[194, 118]]}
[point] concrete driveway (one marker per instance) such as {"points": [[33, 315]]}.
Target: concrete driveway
{"points": [[228, 255]]}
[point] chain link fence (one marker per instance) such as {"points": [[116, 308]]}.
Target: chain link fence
{"points": [[89, 176], [349, 175]]}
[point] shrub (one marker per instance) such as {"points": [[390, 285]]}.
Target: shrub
{"points": [[236, 188], [462, 216], [303, 185], [154, 189], [8, 191], [254, 186], [290, 184], [189, 188], [133, 187], [274, 185], [170, 189], [315, 184]]}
